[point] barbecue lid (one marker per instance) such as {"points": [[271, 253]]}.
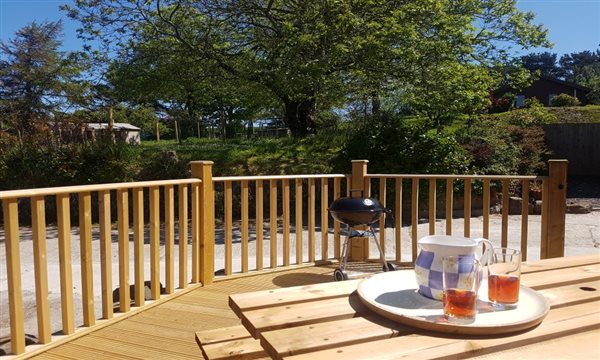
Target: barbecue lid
{"points": [[355, 204]]}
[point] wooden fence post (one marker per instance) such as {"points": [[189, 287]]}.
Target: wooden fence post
{"points": [[359, 247], [554, 206], [203, 170]]}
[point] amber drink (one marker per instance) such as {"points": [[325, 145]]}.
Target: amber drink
{"points": [[460, 303], [504, 273], [460, 279]]}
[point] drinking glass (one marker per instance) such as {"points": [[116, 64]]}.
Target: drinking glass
{"points": [[460, 279], [504, 278]]}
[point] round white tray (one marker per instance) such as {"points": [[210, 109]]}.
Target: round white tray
{"points": [[394, 295]]}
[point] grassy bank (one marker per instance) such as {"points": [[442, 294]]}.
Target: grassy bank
{"points": [[576, 114]]}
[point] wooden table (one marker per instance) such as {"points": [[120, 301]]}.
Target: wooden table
{"points": [[329, 321]]}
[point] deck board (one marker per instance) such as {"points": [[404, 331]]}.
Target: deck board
{"points": [[167, 331]]}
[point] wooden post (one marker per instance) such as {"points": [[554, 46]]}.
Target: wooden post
{"points": [[359, 247], [554, 206], [203, 171]]}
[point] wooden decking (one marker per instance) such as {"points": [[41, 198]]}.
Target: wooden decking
{"points": [[166, 331]]}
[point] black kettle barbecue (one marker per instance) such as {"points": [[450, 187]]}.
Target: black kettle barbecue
{"points": [[357, 211]]}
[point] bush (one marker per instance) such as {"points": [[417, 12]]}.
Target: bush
{"points": [[393, 146], [534, 113], [562, 100], [504, 146], [502, 104]]}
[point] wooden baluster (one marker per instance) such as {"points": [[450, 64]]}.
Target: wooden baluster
{"points": [[324, 219], [524, 217], [244, 211], [13, 274], [273, 222], [138, 245], [486, 208], [169, 239], [415, 217], [299, 226], [63, 222], [87, 278], [196, 204], [285, 184], [432, 205], [467, 208], [311, 220], [348, 185], [183, 235], [367, 188], [398, 219], [40, 263], [449, 205], [123, 228], [382, 200], [154, 220], [105, 253], [228, 226], [259, 225], [505, 205], [336, 224]]}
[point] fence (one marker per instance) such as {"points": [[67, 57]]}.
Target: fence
{"points": [[196, 199], [578, 143]]}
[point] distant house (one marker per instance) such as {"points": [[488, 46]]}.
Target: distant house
{"points": [[544, 89], [122, 131]]}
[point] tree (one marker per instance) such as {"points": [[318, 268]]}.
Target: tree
{"points": [[544, 62], [149, 74], [583, 68], [307, 52], [38, 81]]}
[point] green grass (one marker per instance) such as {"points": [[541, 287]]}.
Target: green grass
{"points": [[576, 114], [312, 155]]}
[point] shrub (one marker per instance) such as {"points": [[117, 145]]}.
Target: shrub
{"points": [[393, 146], [502, 104], [534, 113], [564, 100], [502, 146]]}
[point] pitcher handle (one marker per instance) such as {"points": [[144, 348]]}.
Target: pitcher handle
{"points": [[487, 248]]}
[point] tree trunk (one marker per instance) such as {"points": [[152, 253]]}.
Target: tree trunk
{"points": [[111, 119], [157, 131], [111, 124], [300, 117], [375, 103], [250, 129], [177, 131], [223, 124]]}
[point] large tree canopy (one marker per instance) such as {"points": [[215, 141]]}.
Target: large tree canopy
{"points": [[310, 53]]}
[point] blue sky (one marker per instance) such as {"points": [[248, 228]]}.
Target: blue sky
{"points": [[574, 25]]}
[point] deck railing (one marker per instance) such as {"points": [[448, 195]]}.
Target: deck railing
{"points": [[121, 192], [306, 196]]}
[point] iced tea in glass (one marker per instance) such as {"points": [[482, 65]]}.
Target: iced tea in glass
{"points": [[504, 273], [460, 279]]}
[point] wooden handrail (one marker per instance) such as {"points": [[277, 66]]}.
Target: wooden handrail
{"points": [[276, 177], [25, 193], [441, 176]]}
